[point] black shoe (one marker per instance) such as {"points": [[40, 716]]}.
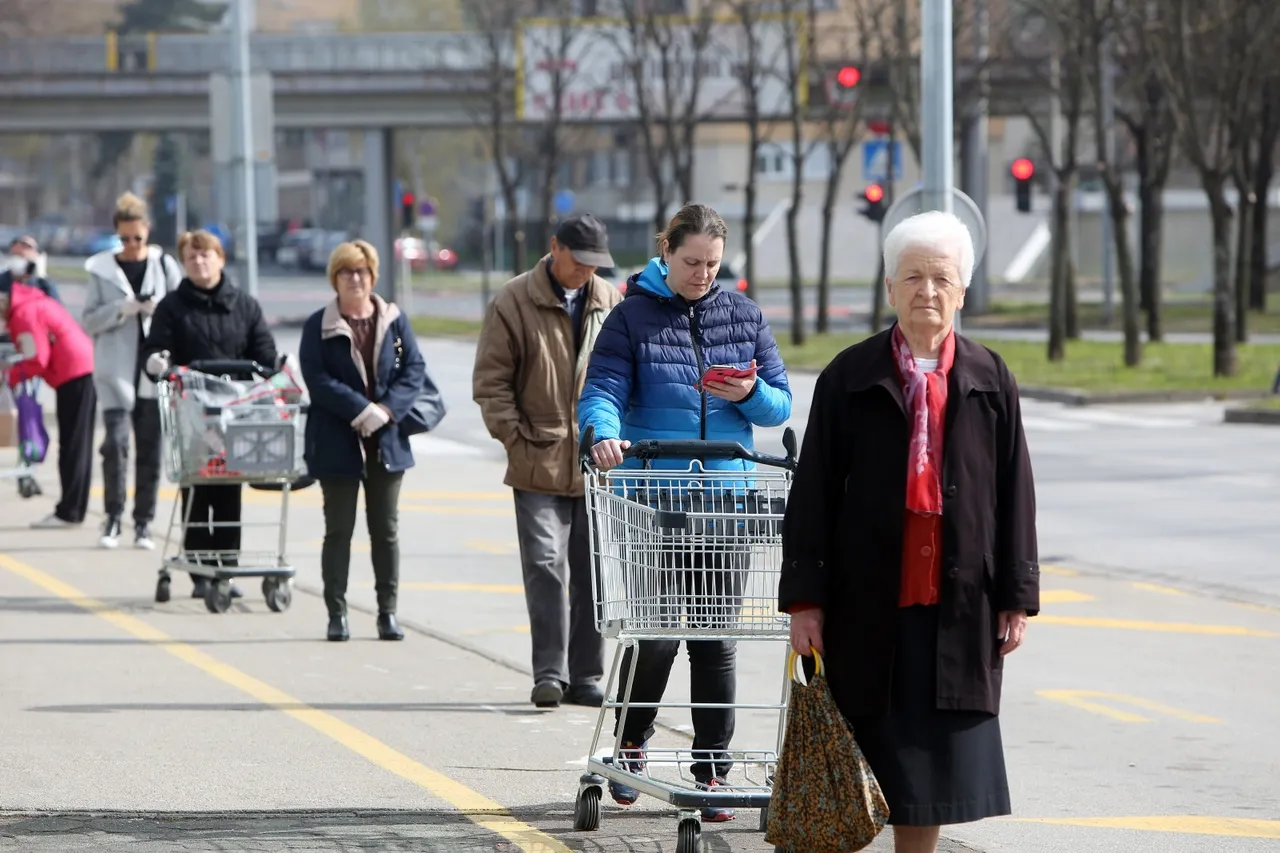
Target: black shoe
{"points": [[547, 694], [110, 538], [388, 629], [587, 695], [200, 587], [338, 629]]}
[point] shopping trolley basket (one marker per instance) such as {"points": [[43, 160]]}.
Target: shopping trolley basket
{"points": [[217, 431], [689, 554]]}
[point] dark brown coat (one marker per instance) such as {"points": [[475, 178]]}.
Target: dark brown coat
{"points": [[842, 539]]}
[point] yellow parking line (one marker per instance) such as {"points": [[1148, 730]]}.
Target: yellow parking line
{"points": [[1155, 587], [1058, 570], [1163, 627], [513, 629], [496, 819], [1063, 596], [1080, 699], [456, 510], [1237, 827]]}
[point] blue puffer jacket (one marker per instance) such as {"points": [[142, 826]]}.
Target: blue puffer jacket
{"points": [[650, 354]]}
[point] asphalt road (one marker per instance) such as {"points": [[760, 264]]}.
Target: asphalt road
{"points": [[1139, 717]]}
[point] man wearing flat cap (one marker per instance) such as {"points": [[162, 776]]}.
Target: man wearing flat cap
{"points": [[531, 362]]}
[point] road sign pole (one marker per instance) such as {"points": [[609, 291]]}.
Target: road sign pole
{"points": [[937, 140], [247, 248]]}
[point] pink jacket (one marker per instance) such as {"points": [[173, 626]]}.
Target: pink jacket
{"points": [[53, 346]]}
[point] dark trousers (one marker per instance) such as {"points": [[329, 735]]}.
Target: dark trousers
{"points": [[707, 592], [144, 423], [211, 507], [555, 560], [382, 502], [77, 403]]}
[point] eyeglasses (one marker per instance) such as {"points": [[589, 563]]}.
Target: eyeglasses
{"points": [[349, 274]]}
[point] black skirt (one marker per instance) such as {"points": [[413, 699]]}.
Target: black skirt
{"points": [[935, 767]]}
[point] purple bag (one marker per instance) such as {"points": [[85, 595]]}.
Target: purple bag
{"points": [[33, 438]]}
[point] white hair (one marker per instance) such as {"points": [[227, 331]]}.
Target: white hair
{"points": [[934, 230]]}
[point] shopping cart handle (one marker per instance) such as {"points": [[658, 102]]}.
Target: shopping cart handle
{"points": [[654, 448], [221, 366]]}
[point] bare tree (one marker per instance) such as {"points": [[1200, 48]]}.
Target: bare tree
{"points": [[1211, 56], [796, 15], [668, 113], [752, 76], [557, 65], [1101, 18], [496, 23], [1058, 23], [1145, 109], [1263, 172]]}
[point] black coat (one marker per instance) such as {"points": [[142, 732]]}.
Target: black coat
{"points": [[225, 323], [842, 538]]}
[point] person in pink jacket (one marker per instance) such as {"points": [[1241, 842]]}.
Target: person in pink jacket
{"points": [[54, 348]]}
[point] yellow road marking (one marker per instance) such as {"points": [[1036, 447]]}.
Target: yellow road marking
{"points": [[496, 819], [1080, 699], [1238, 827], [1261, 608], [1063, 596], [1058, 570], [513, 629], [416, 495], [450, 586], [490, 547], [1155, 587], [456, 510], [1164, 627]]}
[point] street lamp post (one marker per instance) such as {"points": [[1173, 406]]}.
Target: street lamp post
{"points": [[241, 19], [938, 139]]}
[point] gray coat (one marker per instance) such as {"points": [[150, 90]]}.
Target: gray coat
{"points": [[115, 336]]}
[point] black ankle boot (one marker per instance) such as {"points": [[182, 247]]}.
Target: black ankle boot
{"points": [[338, 629], [388, 629]]}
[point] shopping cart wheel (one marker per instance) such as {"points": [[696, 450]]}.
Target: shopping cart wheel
{"points": [[217, 597], [586, 811], [278, 592], [690, 839], [28, 487], [162, 589]]}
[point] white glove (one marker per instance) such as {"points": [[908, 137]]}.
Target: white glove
{"points": [[158, 363], [130, 307], [372, 419]]}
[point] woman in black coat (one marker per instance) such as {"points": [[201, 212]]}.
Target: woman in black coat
{"points": [[909, 544], [364, 373], [207, 318]]}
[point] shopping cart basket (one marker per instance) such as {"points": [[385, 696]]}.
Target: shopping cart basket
{"points": [[689, 554], [220, 432], [32, 439]]}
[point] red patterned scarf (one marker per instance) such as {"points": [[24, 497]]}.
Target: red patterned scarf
{"points": [[926, 397]]}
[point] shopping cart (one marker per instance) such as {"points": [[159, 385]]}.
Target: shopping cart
{"points": [[221, 432], [688, 554], [31, 448]]}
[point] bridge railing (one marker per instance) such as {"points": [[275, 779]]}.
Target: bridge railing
{"points": [[271, 52]]}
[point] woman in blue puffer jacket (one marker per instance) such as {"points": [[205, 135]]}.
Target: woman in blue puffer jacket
{"points": [[643, 382]]}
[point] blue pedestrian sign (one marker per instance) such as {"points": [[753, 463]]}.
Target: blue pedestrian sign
{"points": [[875, 160], [564, 201]]}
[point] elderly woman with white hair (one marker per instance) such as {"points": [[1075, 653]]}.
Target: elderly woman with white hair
{"points": [[910, 557]]}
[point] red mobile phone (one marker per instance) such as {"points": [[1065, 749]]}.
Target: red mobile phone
{"points": [[720, 372]]}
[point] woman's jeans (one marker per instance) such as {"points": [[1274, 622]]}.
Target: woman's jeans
{"points": [[707, 583], [382, 499], [144, 423]]}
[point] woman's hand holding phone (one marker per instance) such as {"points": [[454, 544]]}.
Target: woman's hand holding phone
{"points": [[729, 383]]}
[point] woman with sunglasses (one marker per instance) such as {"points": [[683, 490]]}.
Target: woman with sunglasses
{"points": [[125, 286]]}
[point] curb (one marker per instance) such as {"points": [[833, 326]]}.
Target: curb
{"points": [[1268, 417], [1076, 397]]}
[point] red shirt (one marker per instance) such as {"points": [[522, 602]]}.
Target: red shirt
{"points": [[921, 559]]}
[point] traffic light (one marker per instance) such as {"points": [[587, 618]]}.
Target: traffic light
{"points": [[407, 213], [842, 86], [874, 209], [1022, 170]]}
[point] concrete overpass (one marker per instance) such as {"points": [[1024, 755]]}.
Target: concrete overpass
{"points": [[169, 82]]}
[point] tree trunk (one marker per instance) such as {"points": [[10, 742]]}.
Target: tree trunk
{"points": [[749, 209], [1243, 261], [1151, 228], [1073, 298], [824, 253], [1262, 174], [1060, 274], [1124, 265], [793, 264], [517, 230], [878, 293], [1224, 343]]}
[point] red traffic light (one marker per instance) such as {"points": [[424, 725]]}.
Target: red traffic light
{"points": [[407, 199], [1023, 169], [848, 76], [874, 193]]}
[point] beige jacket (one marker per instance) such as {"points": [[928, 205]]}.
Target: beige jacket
{"points": [[527, 378]]}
